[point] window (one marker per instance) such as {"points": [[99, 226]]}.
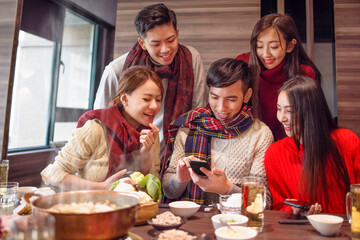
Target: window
{"points": [[75, 76], [56, 66], [31, 92]]}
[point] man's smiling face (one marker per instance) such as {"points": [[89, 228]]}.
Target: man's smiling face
{"points": [[161, 42]]}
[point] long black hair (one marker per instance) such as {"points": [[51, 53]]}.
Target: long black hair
{"points": [[313, 124]]}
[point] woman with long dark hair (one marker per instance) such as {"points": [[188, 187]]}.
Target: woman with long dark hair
{"points": [[276, 55], [318, 161]]}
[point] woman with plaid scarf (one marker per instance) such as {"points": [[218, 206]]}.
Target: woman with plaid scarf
{"points": [[109, 141], [224, 133]]}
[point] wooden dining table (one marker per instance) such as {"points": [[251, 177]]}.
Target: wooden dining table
{"points": [[201, 223]]}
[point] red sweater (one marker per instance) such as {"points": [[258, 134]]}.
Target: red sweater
{"points": [[284, 165], [270, 82]]}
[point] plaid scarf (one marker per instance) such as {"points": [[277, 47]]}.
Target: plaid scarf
{"points": [[122, 138], [203, 126], [180, 77]]}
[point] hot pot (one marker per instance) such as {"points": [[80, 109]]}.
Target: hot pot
{"points": [[103, 225]]}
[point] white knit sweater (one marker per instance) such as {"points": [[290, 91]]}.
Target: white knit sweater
{"points": [[85, 155], [238, 157]]}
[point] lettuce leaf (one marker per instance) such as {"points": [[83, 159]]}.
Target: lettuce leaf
{"points": [[137, 177], [144, 181], [152, 185]]}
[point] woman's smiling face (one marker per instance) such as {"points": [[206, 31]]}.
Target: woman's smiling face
{"points": [[284, 112], [271, 48], [142, 105]]}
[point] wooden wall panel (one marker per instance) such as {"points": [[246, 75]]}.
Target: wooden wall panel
{"points": [[7, 27], [25, 167], [215, 28], [347, 50]]}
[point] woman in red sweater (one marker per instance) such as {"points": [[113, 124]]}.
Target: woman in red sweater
{"points": [[276, 55], [318, 161]]}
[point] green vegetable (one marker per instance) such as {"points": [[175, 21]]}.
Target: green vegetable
{"points": [[150, 182], [137, 177], [144, 181], [230, 220], [114, 185], [152, 185]]}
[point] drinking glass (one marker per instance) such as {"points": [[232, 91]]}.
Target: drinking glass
{"points": [[4, 170], [353, 209], [254, 201], [33, 227], [8, 192], [230, 203]]}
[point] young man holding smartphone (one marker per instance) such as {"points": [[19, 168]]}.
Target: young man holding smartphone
{"points": [[224, 133]]}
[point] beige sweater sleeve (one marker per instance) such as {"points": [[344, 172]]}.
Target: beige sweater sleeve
{"points": [[245, 156], [260, 146], [173, 189], [85, 154], [258, 166]]}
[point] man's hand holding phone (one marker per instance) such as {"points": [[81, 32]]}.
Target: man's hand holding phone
{"points": [[182, 170], [215, 180]]}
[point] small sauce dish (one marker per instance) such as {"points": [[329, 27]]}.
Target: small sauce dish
{"points": [[160, 227]]}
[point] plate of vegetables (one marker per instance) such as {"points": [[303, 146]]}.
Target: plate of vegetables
{"points": [[146, 188]]}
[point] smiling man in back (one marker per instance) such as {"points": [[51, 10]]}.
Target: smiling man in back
{"points": [[179, 67]]}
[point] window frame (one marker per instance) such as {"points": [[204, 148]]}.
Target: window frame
{"points": [[103, 37], [62, 114]]}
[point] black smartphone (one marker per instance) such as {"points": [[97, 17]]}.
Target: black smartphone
{"points": [[304, 206], [196, 165]]}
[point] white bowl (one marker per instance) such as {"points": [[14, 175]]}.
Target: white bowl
{"points": [[242, 233], [184, 208], [45, 191], [26, 189], [235, 220], [326, 224]]}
